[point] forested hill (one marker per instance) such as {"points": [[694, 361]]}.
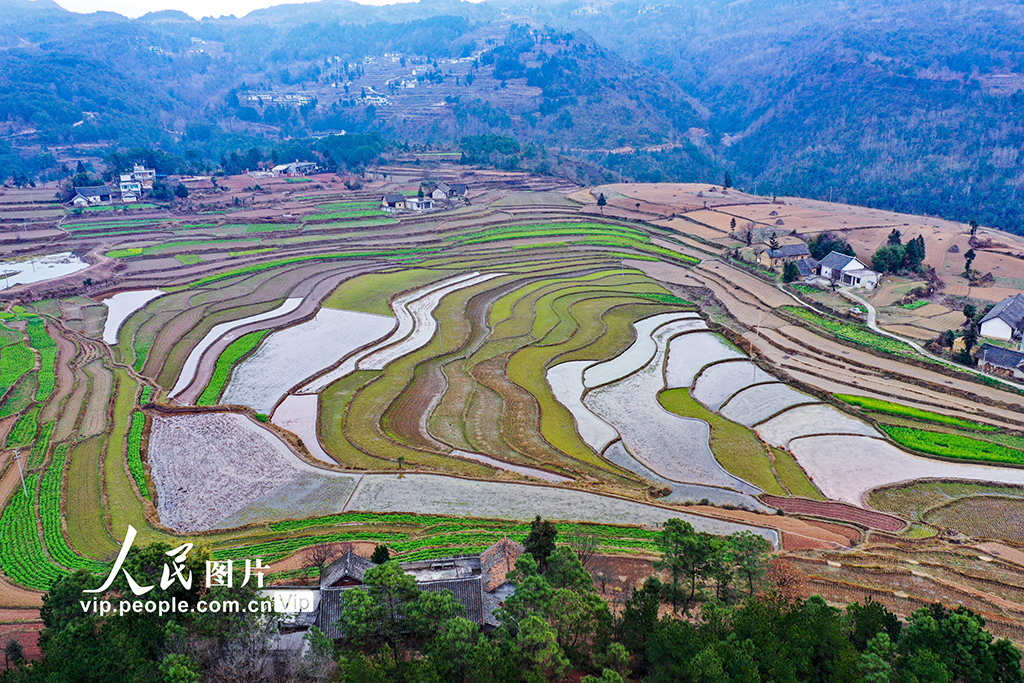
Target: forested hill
{"points": [[909, 104]]}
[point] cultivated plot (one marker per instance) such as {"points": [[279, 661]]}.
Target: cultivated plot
{"points": [[689, 353], [210, 467], [188, 370], [717, 383], [761, 401], [122, 305], [566, 382], [639, 354], [808, 420], [435, 494], [288, 356], [675, 447], [847, 467]]}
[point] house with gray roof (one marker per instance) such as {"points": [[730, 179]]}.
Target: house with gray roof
{"points": [[847, 270], [478, 582], [775, 258], [1005, 320], [998, 361]]}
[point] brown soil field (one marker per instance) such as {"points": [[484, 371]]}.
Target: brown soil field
{"points": [[101, 382], [840, 511], [993, 517]]}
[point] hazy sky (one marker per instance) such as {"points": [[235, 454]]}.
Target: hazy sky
{"points": [[197, 8]]}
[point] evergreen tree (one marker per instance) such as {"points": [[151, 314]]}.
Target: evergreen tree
{"points": [[380, 555], [541, 541]]}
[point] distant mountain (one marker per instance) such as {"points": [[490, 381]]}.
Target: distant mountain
{"points": [[903, 104]]}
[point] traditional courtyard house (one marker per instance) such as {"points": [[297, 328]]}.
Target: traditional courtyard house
{"points": [[997, 361], [479, 582], [1005, 320], [847, 270], [393, 201], [91, 196]]}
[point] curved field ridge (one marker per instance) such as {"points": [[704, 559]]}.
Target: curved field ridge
{"points": [[689, 353], [122, 305], [436, 494], [810, 420], [717, 383], [847, 467], [682, 494], [215, 470], [416, 326], [423, 324], [673, 446], [543, 475], [758, 403], [842, 511], [639, 354], [188, 370], [566, 382], [288, 356], [298, 414]]}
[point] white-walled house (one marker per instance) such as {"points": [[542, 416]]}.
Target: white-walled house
{"points": [[1005, 320], [847, 270]]}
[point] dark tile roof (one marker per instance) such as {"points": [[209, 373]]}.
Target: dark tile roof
{"points": [[498, 560], [458, 188], [1002, 358], [328, 610], [468, 591], [806, 267], [789, 251], [1010, 309], [394, 197], [94, 191], [350, 565], [836, 261]]}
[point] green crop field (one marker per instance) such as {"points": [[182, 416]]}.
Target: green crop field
{"points": [[236, 351], [954, 446], [853, 333], [877, 405]]}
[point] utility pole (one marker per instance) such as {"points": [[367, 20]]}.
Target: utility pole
{"points": [[17, 458], [757, 338]]}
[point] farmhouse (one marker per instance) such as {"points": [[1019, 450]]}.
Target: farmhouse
{"points": [[847, 270], [479, 582], [90, 196], [807, 267], [296, 168], [449, 190], [786, 252], [393, 201], [419, 203], [144, 176], [1005, 320], [997, 361]]}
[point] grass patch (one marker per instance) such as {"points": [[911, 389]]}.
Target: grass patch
{"points": [[189, 259], [955, 446], [371, 293], [735, 447], [876, 405], [914, 305], [236, 351], [267, 227], [250, 252], [792, 476]]}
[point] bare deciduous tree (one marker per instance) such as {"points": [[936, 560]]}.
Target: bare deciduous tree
{"points": [[318, 557], [583, 543]]}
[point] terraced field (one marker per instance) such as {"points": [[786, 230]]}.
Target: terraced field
{"points": [[431, 380]]}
